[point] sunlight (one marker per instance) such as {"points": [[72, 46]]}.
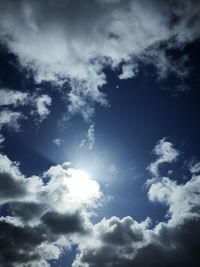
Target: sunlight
{"points": [[81, 186]]}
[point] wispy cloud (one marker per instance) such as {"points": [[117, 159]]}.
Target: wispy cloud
{"points": [[61, 42], [89, 140]]}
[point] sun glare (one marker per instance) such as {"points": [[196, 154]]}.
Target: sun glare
{"points": [[81, 186]]}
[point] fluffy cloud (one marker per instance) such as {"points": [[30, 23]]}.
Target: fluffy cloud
{"points": [[173, 242], [166, 153], [43, 216], [127, 71], [73, 41]]}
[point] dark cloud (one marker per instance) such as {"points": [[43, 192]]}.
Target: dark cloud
{"points": [[26, 211], [174, 243], [18, 244], [64, 223], [35, 215], [173, 246], [10, 188]]}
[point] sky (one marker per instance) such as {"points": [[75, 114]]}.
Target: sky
{"points": [[99, 133]]}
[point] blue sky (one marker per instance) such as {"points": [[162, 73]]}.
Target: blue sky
{"points": [[99, 133]]}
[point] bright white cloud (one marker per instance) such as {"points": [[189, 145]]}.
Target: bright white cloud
{"points": [[128, 71], [48, 215], [166, 153], [74, 40]]}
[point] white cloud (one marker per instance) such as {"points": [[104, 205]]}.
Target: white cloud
{"points": [[74, 40], [10, 97], [126, 242], [10, 119], [89, 140], [51, 213], [42, 104], [44, 217], [128, 71], [12, 100], [195, 168], [166, 153]]}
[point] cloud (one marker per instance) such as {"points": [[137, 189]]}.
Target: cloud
{"points": [[10, 120], [42, 104], [171, 242], [195, 168], [89, 140], [74, 41], [10, 103], [128, 71], [43, 215], [64, 223], [11, 97], [57, 141], [166, 153]]}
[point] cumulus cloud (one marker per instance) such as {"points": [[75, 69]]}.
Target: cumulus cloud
{"points": [[46, 214], [42, 213], [172, 242], [73, 41], [166, 153]]}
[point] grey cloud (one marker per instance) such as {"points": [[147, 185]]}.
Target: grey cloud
{"points": [[64, 223], [173, 243], [18, 244], [10, 188], [37, 215], [26, 211]]}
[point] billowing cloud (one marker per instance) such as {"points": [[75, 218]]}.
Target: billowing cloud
{"points": [[73, 41], [43, 215], [172, 242]]}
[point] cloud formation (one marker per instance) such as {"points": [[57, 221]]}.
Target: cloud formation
{"points": [[43, 215], [74, 41], [166, 153], [10, 113], [172, 242]]}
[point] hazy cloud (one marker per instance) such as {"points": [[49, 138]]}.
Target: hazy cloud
{"points": [[89, 140]]}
